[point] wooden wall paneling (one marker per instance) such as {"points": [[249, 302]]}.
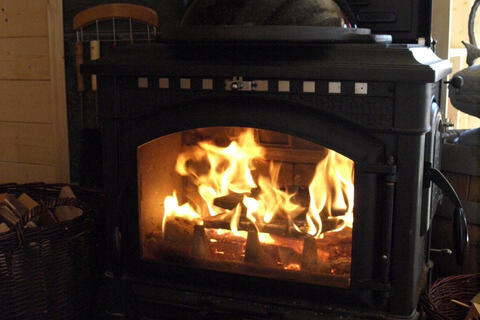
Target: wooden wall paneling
{"points": [[474, 192], [452, 113], [441, 26], [460, 182], [58, 90], [33, 121], [24, 58], [460, 12], [473, 122], [23, 172], [27, 143], [26, 101], [23, 18]]}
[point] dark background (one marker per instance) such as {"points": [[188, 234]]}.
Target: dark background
{"points": [[84, 144]]}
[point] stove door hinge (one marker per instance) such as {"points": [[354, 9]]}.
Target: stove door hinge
{"points": [[387, 169]]}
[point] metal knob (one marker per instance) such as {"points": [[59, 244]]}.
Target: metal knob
{"points": [[456, 82]]}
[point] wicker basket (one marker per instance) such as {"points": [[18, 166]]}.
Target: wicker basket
{"points": [[45, 272], [436, 301]]}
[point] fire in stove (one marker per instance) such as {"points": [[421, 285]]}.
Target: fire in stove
{"points": [[247, 201]]}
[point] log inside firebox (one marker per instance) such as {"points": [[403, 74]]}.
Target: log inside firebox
{"points": [[228, 202], [282, 230], [231, 200]]}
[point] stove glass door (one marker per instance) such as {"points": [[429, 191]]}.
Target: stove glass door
{"points": [[247, 201]]}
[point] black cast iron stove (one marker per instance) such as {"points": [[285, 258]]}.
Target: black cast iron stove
{"points": [[301, 96]]}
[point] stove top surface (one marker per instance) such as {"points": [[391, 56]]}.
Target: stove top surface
{"points": [[274, 34]]}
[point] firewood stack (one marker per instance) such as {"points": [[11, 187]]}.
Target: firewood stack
{"points": [[46, 251], [18, 211]]}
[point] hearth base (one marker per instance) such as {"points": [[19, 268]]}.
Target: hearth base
{"points": [[144, 298]]}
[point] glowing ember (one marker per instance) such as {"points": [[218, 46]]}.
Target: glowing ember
{"points": [[293, 266]]}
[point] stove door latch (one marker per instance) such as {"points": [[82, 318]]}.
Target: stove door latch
{"points": [[460, 231]]}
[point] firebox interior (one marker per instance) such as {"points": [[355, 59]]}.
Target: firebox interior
{"points": [[247, 201]]}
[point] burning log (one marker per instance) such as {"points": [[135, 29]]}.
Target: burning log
{"points": [[200, 246], [179, 231], [288, 256], [309, 254], [341, 265], [228, 202], [282, 230]]}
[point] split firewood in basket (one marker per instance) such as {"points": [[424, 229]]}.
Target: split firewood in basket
{"points": [[65, 213], [4, 228], [14, 205], [30, 225], [18, 209], [46, 218], [8, 217]]}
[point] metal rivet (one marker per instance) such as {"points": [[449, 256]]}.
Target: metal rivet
{"points": [[361, 88]]}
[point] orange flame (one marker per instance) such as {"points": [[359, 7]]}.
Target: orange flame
{"points": [[172, 209], [230, 171], [331, 188]]}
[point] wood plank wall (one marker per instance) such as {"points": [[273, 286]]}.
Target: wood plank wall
{"points": [[449, 28], [33, 124]]}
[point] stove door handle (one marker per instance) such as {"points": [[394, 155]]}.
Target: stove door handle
{"points": [[459, 222]]}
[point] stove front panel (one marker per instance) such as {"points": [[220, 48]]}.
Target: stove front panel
{"points": [[381, 130], [348, 267]]}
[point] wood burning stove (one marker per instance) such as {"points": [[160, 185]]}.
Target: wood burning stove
{"points": [[255, 179]]}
